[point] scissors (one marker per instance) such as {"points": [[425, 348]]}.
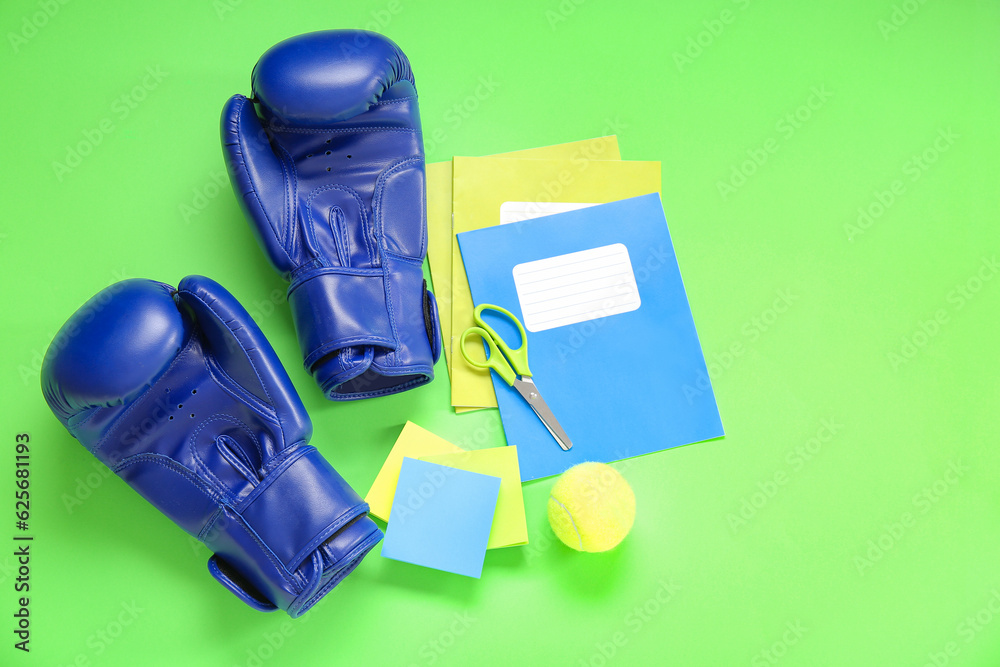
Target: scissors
{"points": [[512, 366]]}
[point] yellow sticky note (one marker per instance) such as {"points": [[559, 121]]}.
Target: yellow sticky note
{"points": [[509, 526], [487, 191], [439, 232], [413, 442]]}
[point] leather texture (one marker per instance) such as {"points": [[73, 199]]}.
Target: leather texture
{"points": [[327, 162], [179, 393]]}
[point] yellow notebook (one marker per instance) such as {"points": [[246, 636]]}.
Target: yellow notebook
{"points": [[439, 232], [489, 191]]}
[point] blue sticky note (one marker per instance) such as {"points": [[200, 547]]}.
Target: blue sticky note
{"points": [[612, 343], [441, 517]]}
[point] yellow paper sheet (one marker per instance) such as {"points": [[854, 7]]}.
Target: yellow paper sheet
{"points": [[439, 251], [482, 185], [509, 527], [439, 232], [413, 442]]}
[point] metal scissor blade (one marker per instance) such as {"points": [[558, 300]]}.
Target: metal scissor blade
{"points": [[526, 387]]}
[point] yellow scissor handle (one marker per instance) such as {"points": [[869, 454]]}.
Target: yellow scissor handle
{"points": [[517, 357], [505, 361], [494, 359]]}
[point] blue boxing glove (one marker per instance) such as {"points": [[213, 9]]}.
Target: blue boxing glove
{"points": [[327, 162], [180, 394]]}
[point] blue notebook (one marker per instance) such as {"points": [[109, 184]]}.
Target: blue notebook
{"points": [[611, 341]]}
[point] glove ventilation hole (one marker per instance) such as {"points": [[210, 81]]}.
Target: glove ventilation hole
{"points": [[166, 390]]}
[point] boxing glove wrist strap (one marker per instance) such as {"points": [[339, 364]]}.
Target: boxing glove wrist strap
{"points": [[278, 528], [322, 500], [334, 308]]}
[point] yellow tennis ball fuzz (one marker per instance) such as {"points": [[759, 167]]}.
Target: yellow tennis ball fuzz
{"points": [[591, 507]]}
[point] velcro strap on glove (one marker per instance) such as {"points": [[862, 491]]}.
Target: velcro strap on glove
{"points": [[266, 545], [299, 506], [334, 308]]}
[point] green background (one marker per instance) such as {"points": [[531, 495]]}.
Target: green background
{"points": [[851, 515]]}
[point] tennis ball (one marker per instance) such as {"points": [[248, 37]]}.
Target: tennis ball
{"points": [[591, 507]]}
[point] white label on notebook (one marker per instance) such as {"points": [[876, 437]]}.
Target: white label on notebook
{"points": [[577, 287], [519, 211]]}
